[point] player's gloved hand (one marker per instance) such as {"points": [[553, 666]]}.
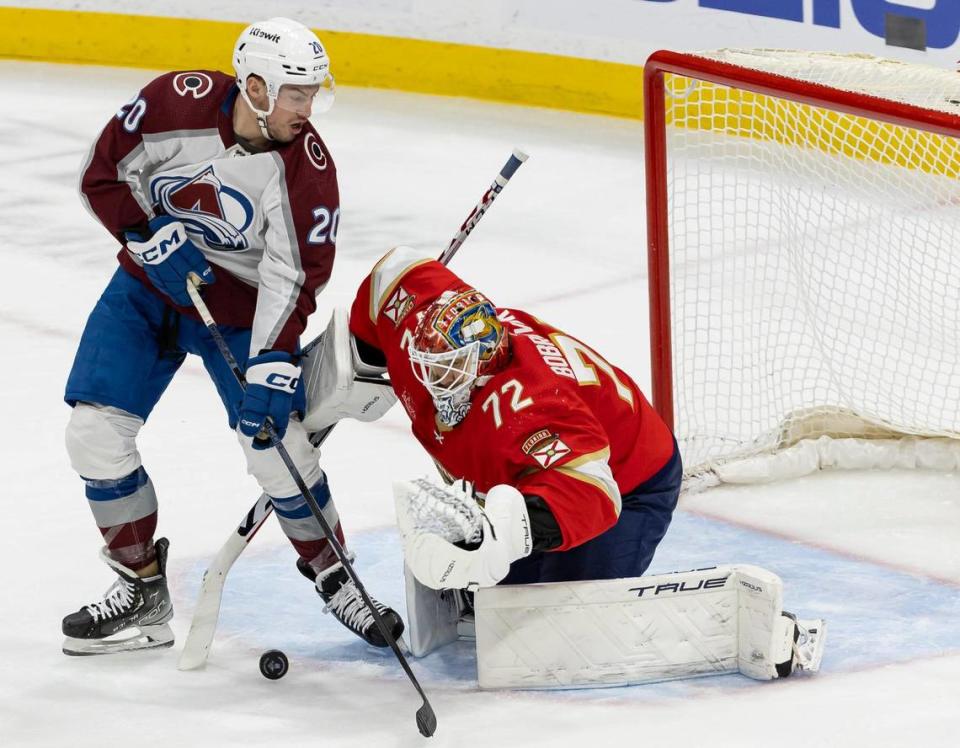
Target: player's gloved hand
{"points": [[169, 257], [439, 564], [271, 383]]}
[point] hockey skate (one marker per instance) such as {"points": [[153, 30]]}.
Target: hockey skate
{"points": [[343, 599], [132, 615], [809, 637]]}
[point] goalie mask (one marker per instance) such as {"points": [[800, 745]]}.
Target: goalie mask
{"points": [[285, 54], [458, 342]]}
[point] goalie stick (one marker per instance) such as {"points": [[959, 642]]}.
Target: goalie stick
{"points": [[197, 646], [513, 163]]}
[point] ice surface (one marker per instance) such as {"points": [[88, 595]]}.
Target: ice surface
{"points": [[876, 554]]}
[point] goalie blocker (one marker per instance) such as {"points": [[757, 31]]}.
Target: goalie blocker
{"points": [[338, 382], [713, 621]]}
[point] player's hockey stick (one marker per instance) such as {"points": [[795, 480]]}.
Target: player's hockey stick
{"points": [[207, 610], [197, 646], [426, 719]]}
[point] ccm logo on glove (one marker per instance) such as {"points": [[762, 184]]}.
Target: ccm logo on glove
{"points": [[282, 381], [272, 380], [168, 239], [169, 258], [285, 376]]}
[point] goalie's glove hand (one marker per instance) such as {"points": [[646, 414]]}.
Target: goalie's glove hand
{"points": [[168, 257], [439, 564], [272, 380]]}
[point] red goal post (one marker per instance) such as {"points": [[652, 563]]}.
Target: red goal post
{"points": [[869, 139]]}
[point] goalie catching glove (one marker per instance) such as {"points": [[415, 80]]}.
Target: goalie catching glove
{"points": [[450, 543]]}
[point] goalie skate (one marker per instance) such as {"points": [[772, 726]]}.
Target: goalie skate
{"points": [[806, 652], [132, 615], [808, 645]]}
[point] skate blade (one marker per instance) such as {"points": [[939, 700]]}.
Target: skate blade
{"points": [[128, 640]]}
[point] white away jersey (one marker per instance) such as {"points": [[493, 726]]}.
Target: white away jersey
{"points": [[265, 221]]}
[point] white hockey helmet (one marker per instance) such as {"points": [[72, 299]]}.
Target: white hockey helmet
{"points": [[283, 52]]}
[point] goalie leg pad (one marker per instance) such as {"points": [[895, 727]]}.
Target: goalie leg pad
{"points": [[632, 631]]}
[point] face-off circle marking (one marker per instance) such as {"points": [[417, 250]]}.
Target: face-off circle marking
{"points": [[315, 151], [193, 84]]}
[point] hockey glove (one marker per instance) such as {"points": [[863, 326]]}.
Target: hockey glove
{"points": [[439, 564], [168, 257], [271, 383]]}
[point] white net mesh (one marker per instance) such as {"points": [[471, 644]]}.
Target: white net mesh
{"points": [[814, 258]]}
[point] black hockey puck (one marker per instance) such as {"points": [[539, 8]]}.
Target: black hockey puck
{"points": [[274, 664]]}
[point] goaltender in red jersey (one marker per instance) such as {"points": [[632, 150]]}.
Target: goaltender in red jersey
{"points": [[541, 425]]}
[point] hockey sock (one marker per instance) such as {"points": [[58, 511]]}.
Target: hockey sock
{"points": [[302, 528], [125, 510]]}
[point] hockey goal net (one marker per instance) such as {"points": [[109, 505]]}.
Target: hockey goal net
{"points": [[803, 216]]}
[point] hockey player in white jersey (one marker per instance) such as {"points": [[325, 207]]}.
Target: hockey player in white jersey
{"points": [[222, 177]]}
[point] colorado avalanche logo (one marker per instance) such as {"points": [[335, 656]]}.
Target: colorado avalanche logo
{"points": [[217, 213]]}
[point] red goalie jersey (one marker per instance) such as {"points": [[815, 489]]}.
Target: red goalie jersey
{"points": [[558, 421]]}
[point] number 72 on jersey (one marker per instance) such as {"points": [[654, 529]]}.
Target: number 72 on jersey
{"points": [[565, 356]]}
